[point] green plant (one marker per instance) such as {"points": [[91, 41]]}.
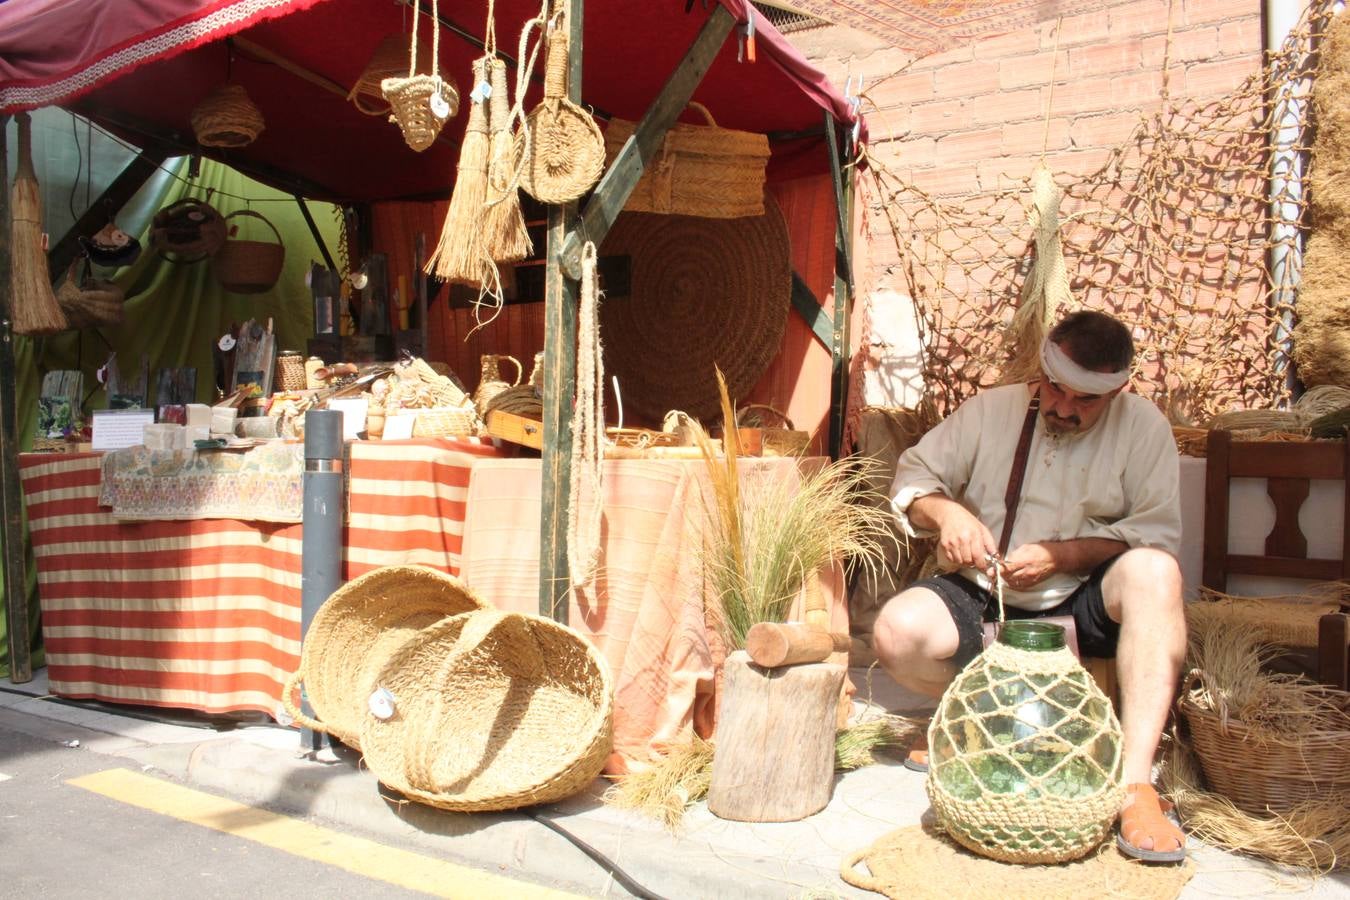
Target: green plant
{"points": [[769, 532]]}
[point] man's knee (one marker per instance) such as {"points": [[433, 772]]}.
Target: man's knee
{"points": [[915, 623], [1145, 580]]}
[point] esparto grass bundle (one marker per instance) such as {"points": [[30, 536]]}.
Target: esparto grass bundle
{"points": [[35, 308], [459, 256], [505, 239]]}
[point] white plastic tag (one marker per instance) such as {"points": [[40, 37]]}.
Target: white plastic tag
{"points": [[381, 704]]}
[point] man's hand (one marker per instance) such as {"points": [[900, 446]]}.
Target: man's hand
{"points": [[1030, 564], [964, 539]]}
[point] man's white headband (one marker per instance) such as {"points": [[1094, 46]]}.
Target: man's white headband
{"points": [[1060, 369]]}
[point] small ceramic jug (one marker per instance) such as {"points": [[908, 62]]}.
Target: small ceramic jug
{"points": [[490, 382]]}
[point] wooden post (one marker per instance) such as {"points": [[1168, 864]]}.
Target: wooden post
{"points": [[774, 756], [843, 289], [560, 377], [11, 528], [609, 197]]}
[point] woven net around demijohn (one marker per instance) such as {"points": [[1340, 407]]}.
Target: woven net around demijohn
{"points": [[1176, 234], [1023, 786]]}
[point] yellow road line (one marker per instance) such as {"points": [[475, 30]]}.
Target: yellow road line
{"points": [[354, 854]]}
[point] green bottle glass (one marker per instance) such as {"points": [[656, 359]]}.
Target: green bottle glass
{"points": [[1023, 724]]}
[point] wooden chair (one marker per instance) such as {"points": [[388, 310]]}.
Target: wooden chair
{"points": [[1288, 468]]}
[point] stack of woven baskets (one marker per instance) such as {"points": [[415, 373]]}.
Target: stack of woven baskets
{"points": [[452, 703]]}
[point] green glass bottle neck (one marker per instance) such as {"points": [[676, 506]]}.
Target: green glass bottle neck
{"points": [[1029, 634]]}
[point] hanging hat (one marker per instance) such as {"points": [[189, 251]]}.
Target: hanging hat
{"points": [[111, 247]]}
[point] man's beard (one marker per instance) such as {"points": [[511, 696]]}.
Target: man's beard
{"points": [[1062, 426]]}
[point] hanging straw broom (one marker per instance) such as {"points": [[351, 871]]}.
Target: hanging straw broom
{"points": [[35, 309], [505, 239], [458, 256]]}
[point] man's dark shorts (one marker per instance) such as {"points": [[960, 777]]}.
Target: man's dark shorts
{"points": [[970, 606]]}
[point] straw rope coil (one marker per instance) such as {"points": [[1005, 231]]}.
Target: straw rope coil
{"points": [[227, 118], [1068, 789], [357, 630], [33, 304], [247, 266], [704, 293], [701, 170], [421, 102], [521, 400], [585, 504], [561, 147], [492, 710]]}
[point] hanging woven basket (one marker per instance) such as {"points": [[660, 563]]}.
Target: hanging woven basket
{"points": [[187, 231], [488, 711], [90, 302], [356, 631], [227, 118], [421, 102], [247, 266], [700, 170]]}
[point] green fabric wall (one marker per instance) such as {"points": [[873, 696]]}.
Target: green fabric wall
{"points": [[175, 313]]}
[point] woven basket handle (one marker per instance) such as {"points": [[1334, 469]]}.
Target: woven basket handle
{"points": [[849, 872], [288, 703], [1199, 678], [256, 215], [778, 413], [480, 625], [700, 108]]}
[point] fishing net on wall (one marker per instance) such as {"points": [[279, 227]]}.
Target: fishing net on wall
{"points": [[1176, 234]]}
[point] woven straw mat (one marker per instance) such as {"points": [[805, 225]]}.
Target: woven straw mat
{"points": [[492, 711], [919, 863], [703, 292], [356, 631]]}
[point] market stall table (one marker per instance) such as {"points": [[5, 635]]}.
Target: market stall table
{"points": [[644, 610], [205, 613]]}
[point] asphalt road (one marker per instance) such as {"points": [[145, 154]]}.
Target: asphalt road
{"points": [[74, 823]]}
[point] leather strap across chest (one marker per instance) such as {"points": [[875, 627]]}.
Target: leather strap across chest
{"points": [[1019, 471]]}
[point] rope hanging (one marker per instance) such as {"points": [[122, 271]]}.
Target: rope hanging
{"points": [[588, 432]]}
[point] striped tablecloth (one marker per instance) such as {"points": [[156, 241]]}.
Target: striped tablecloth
{"points": [[205, 614]]}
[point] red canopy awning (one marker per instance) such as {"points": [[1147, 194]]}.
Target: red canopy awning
{"points": [[138, 67]]}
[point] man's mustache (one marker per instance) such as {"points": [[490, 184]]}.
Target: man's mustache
{"points": [[1071, 420]]}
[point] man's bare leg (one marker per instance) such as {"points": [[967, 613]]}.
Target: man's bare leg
{"points": [[915, 639], [1142, 591]]}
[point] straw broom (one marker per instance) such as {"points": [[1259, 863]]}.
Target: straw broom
{"points": [[458, 256], [35, 309], [505, 239]]}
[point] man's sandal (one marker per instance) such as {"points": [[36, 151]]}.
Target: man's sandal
{"points": [[917, 760], [1144, 819]]}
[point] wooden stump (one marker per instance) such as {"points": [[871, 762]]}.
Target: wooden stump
{"points": [[774, 756]]}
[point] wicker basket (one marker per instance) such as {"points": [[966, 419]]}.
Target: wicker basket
{"points": [[227, 118], [439, 421], [1262, 774], [187, 231], [356, 631], [390, 60], [701, 170], [491, 710], [90, 303], [249, 267]]}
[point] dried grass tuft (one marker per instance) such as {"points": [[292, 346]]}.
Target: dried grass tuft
{"points": [[670, 786]]}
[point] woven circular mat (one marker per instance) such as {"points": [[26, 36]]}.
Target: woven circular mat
{"points": [[916, 862], [702, 293]]}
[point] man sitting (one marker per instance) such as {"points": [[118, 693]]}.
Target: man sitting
{"points": [[1095, 529]]}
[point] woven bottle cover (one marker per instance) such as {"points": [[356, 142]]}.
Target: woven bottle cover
{"points": [[1055, 814]]}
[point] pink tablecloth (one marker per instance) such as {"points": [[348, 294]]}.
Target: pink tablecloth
{"points": [[644, 611]]}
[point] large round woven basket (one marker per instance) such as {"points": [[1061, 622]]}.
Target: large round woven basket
{"points": [[702, 293], [1264, 774], [490, 711], [356, 631]]}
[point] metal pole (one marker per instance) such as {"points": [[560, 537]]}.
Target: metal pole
{"points": [[16, 582], [321, 541]]}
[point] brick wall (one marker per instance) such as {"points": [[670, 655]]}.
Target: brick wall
{"points": [[978, 117]]}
